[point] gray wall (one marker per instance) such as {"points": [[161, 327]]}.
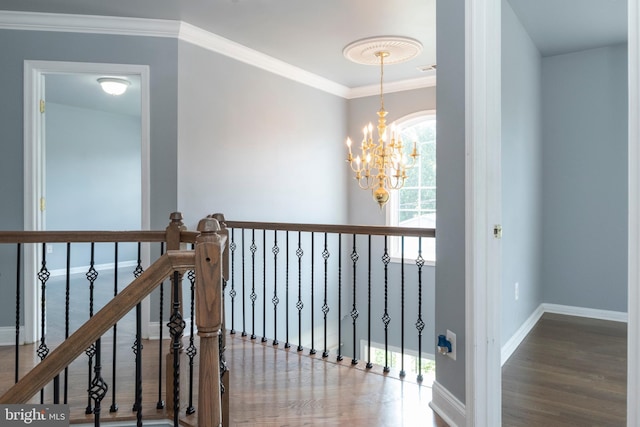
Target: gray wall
{"points": [[161, 56], [93, 178], [584, 119], [272, 146], [450, 153], [521, 174]]}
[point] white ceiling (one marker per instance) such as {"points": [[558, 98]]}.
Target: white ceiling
{"points": [[562, 26]]}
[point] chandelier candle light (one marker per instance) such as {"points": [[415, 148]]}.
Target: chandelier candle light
{"points": [[381, 166]]}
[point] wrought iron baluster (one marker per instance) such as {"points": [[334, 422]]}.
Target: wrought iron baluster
{"points": [[354, 310], [264, 286], [402, 371], [369, 364], [137, 350], [253, 248], [91, 275], [176, 327], [386, 319], [420, 323], [287, 344], [137, 345], [43, 276], [339, 357], [325, 305], [313, 257], [191, 349], [114, 405], [67, 320], [275, 300], [18, 288], [299, 304], [160, 402], [244, 298], [232, 292], [98, 388]]}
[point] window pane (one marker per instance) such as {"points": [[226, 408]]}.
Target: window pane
{"points": [[428, 199], [409, 198]]}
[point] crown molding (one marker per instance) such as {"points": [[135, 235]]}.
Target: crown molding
{"points": [[213, 42], [94, 24]]}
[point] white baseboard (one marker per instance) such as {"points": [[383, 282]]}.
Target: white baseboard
{"points": [[99, 267], [512, 344], [615, 316], [8, 335], [447, 406]]}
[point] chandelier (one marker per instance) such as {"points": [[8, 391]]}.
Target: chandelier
{"points": [[381, 166]]}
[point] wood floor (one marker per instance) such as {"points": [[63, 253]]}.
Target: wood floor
{"points": [[269, 387], [569, 371]]}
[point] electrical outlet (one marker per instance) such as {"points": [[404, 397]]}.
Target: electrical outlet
{"points": [[49, 248], [517, 291], [452, 338]]}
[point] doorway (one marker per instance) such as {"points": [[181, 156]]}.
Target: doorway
{"points": [[73, 175]]}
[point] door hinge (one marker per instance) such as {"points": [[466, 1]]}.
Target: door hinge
{"points": [[42, 105], [497, 231], [43, 204]]}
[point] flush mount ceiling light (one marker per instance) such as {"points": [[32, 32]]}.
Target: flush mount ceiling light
{"points": [[114, 86], [382, 166]]}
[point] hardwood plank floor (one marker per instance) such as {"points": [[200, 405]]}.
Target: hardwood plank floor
{"points": [[569, 371], [270, 386]]}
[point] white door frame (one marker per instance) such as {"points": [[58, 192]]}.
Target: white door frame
{"points": [[483, 47], [633, 326], [482, 212], [34, 168]]}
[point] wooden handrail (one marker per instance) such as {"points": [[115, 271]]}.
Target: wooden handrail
{"points": [[80, 236], [100, 323], [329, 228]]}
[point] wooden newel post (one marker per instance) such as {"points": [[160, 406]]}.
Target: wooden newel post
{"points": [[224, 371], [210, 247]]}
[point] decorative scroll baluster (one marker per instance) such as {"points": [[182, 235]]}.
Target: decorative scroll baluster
{"points": [[420, 323], [137, 345], [244, 299], [98, 388], [160, 402], [43, 276], [191, 349], [232, 292], [354, 310], [313, 257], [264, 286], [402, 371], [176, 327], [287, 344], [137, 350], [299, 304], [114, 405], [253, 248], [339, 357], [369, 364], [275, 300], [385, 317], [92, 275], [67, 320], [325, 305], [18, 288]]}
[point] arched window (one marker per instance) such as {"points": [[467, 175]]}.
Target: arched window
{"points": [[414, 205]]}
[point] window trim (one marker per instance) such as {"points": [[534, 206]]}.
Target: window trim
{"points": [[391, 214]]}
